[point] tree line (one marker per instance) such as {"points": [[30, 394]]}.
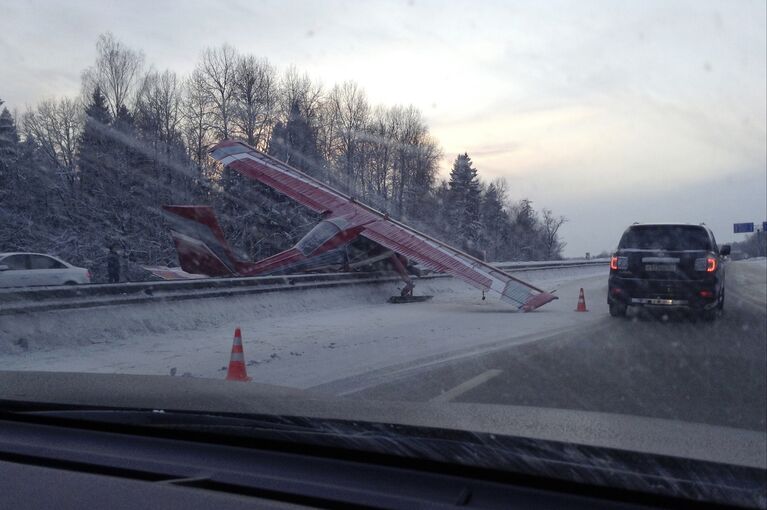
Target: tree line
{"points": [[80, 174], [755, 245]]}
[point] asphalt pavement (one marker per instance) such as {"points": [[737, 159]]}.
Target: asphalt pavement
{"points": [[672, 367]]}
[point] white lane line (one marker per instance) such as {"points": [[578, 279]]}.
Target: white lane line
{"points": [[467, 386]]}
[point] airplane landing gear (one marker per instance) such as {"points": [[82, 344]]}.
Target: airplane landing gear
{"points": [[408, 299], [406, 295]]}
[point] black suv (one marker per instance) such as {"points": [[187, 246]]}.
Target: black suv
{"points": [[667, 266]]}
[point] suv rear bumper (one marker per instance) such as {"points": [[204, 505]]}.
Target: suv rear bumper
{"points": [[693, 294]]}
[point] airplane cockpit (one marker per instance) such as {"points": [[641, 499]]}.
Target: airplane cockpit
{"points": [[323, 232]]}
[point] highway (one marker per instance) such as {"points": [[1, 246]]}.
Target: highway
{"points": [[348, 342], [648, 365]]}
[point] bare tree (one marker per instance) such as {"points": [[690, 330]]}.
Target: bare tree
{"points": [[218, 70], [196, 117], [55, 127], [381, 134], [158, 108], [117, 72], [415, 156], [552, 245], [350, 112], [255, 100], [296, 88]]}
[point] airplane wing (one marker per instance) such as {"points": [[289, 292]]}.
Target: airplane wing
{"points": [[302, 188], [442, 257], [379, 228]]}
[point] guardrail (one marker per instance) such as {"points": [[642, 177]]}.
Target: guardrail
{"points": [[26, 300]]}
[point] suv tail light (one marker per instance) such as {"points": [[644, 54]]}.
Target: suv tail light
{"points": [[619, 263], [707, 264], [90, 275]]}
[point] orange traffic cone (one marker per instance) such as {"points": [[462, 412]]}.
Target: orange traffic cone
{"points": [[581, 302], [236, 370]]}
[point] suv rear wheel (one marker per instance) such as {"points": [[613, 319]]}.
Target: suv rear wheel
{"points": [[617, 310]]}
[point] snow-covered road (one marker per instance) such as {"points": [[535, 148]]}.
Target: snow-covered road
{"points": [[298, 339]]}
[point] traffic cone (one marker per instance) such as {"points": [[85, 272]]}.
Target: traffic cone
{"points": [[581, 302], [236, 370]]}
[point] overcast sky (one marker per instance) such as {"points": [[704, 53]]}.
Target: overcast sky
{"points": [[607, 112]]}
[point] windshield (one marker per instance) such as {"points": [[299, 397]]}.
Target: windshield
{"points": [[665, 238], [395, 203], [317, 236]]}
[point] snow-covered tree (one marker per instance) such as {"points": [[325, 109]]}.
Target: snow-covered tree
{"points": [[494, 219], [94, 141], [9, 144], [464, 200]]}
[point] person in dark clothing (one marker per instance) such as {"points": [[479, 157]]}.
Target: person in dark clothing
{"points": [[113, 266]]}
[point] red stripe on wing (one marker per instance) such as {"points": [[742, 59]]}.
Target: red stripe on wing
{"points": [[431, 256], [284, 179]]}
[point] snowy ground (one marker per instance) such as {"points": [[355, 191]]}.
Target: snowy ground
{"points": [[299, 339], [751, 280]]}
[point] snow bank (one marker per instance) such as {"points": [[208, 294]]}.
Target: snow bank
{"points": [[299, 339]]}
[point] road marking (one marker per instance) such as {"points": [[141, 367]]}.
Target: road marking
{"points": [[351, 385], [467, 386]]}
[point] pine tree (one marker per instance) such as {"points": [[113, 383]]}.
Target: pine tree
{"points": [[295, 143], [527, 242], [464, 201], [494, 221], [94, 142], [9, 146]]}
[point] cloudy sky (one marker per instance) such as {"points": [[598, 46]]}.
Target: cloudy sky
{"points": [[607, 112]]}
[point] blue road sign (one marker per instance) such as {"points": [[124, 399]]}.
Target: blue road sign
{"points": [[742, 228], [764, 226]]}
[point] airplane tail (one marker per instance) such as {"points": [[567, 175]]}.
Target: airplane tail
{"points": [[200, 242]]}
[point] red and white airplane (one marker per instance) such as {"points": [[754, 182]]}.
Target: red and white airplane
{"points": [[203, 250]]}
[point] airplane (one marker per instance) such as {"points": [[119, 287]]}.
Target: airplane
{"points": [[203, 250]]}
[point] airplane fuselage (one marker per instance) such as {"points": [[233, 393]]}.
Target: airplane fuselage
{"points": [[321, 246]]}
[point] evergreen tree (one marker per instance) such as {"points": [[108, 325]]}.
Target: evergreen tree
{"points": [[527, 241], [494, 222], [295, 143], [94, 142], [9, 146], [464, 201]]}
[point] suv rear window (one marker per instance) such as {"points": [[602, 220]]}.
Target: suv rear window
{"points": [[665, 237]]}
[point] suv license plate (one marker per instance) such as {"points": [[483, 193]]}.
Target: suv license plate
{"points": [[660, 267], [661, 301]]}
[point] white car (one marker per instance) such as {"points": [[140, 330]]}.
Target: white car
{"points": [[30, 269]]}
